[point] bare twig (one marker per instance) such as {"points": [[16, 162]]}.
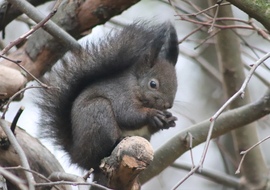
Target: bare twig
{"points": [[207, 143], [207, 38], [32, 171], [17, 62], [61, 178], [207, 23], [261, 77], [72, 183], [23, 37], [167, 153], [89, 172], [215, 116], [15, 120], [241, 91], [191, 33], [213, 175], [244, 153], [50, 27], [260, 31], [14, 95], [214, 18], [190, 173], [204, 10], [13, 179], [190, 149], [20, 152]]}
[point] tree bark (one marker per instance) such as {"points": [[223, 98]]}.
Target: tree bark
{"points": [[256, 9]]}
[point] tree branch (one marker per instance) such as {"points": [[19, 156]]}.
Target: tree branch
{"points": [[9, 14], [57, 32], [40, 158], [20, 152], [255, 9], [232, 69], [41, 50], [213, 175], [227, 121]]}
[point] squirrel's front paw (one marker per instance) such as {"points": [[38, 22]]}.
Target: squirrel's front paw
{"points": [[163, 119]]}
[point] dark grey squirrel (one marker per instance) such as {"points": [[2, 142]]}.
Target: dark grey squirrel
{"points": [[122, 85]]}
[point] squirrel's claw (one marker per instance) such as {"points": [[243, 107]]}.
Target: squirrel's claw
{"points": [[163, 120]]}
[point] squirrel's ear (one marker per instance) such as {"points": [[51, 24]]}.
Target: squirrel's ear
{"points": [[169, 49], [164, 44]]}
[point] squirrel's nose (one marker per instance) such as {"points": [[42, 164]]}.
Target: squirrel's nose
{"points": [[167, 105]]}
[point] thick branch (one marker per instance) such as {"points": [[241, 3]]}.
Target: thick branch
{"points": [[227, 121], [255, 9], [20, 152], [58, 33], [39, 158], [41, 50], [8, 14], [128, 159]]}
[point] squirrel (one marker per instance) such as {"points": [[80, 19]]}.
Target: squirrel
{"points": [[120, 86]]}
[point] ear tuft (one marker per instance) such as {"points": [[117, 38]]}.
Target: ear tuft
{"points": [[164, 44], [169, 50]]}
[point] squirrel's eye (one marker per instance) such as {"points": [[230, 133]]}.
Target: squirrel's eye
{"points": [[153, 84]]}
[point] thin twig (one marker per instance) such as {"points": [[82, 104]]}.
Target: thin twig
{"points": [[57, 4], [20, 152], [207, 23], [213, 175], [207, 143], [24, 36], [89, 172], [32, 171], [186, 177], [214, 19], [13, 179], [215, 116], [190, 149], [244, 153], [204, 10], [72, 183], [62, 176], [14, 95], [244, 85], [50, 27], [17, 62], [240, 92], [207, 38], [260, 31], [191, 33], [15, 120]]}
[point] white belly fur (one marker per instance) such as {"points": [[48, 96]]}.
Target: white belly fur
{"points": [[143, 132]]}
